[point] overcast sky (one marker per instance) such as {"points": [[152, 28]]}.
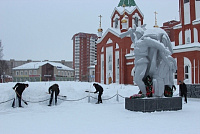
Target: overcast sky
{"points": [[43, 29]]}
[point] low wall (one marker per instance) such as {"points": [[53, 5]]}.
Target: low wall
{"points": [[193, 90], [153, 104]]}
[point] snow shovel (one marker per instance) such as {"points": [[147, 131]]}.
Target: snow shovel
{"points": [[88, 91], [62, 96], [21, 97]]}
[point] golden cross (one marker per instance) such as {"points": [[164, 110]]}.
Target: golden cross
{"points": [[124, 8], [155, 13], [156, 25], [100, 16]]}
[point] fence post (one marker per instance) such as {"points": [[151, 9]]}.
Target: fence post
{"points": [[117, 96], [89, 97]]}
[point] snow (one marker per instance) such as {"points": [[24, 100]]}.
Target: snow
{"points": [[81, 117], [154, 31], [114, 31], [197, 21], [36, 65], [187, 47], [128, 10]]}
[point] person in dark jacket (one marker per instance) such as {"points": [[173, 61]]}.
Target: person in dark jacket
{"points": [[100, 90], [183, 90], [19, 88], [52, 89]]}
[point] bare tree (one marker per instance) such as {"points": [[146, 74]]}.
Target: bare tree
{"points": [[1, 51], [3, 63], [3, 67]]}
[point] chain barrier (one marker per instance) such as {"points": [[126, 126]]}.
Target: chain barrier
{"points": [[38, 101], [7, 101], [104, 99], [121, 96], [67, 100], [73, 100]]}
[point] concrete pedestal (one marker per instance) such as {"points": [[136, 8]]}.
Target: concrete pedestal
{"points": [[153, 104]]}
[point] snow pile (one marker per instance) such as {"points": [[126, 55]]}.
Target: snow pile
{"points": [[81, 117]]}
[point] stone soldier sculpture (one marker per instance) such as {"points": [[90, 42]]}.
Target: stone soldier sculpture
{"points": [[152, 51]]}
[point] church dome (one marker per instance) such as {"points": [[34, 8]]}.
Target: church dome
{"points": [[124, 20], [100, 30]]}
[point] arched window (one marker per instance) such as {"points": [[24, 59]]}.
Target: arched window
{"points": [[136, 21], [187, 72], [116, 22], [186, 1]]}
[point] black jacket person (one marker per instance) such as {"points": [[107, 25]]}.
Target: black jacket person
{"points": [[19, 88], [183, 90], [100, 90], [52, 89]]}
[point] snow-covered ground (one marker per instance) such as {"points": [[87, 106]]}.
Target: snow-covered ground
{"points": [[81, 117]]}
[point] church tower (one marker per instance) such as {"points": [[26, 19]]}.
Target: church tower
{"points": [[114, 54], [125, 15]]}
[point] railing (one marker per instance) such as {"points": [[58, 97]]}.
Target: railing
{"points": [[89, 96]]}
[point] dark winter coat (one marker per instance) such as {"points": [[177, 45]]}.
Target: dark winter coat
{"points": [[98, 88], [183, 88], [54, 88], [20, 87]]}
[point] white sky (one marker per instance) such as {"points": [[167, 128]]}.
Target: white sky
{"points": [[43, 29]]}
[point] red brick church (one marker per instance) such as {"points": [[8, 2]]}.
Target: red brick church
{"points": [[187, 42], [114, 58], [114, 65]]}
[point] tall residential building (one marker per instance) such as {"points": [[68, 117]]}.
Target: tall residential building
{"points": [[84, 54]]}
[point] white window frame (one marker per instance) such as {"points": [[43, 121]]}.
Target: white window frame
{"points": [[26, 72], [21, 73], [34, 72], [17, 73], [30, 72]]}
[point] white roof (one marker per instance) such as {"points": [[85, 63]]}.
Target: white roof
{"points": [[187, 47], [117, 32], [129, 10], [114, 31], [36, 65], [91, 67], [194, 22], [197, 21]]}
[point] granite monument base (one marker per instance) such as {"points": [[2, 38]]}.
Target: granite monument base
{"points": [[153, 104]]}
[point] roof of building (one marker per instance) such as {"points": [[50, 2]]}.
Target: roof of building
{"points": [[114, 31], [91, 67], [194, 22], [187, 47], [197, 21], [36, 65], [127, 3], [176, 49], [128, 10], [117, 32]]}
